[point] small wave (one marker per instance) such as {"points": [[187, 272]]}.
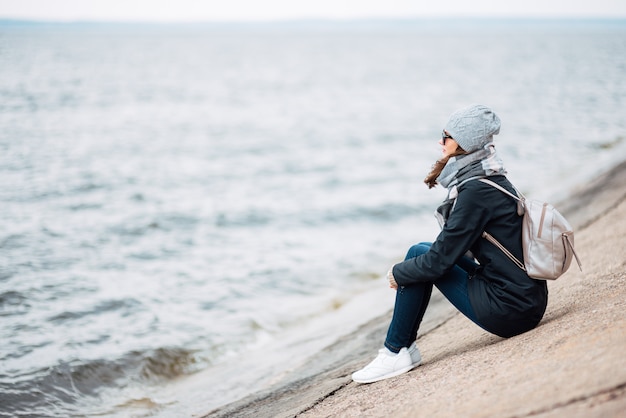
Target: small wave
{"points": [[58, 390], [5, 275], [125, 305], [13, 241], [85, 207], [165, 363], [251, 218], [12, 303], [135, 230], [25, 350], [163, 222], [87, 187], [140, 404]]}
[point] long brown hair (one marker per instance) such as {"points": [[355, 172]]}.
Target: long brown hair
{"points": [[431, 178]]}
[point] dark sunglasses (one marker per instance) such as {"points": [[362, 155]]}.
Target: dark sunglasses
{"points": [[445, 136]]}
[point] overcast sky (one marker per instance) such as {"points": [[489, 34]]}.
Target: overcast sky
{"points": [[238, 10]]}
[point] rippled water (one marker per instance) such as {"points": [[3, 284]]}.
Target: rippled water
{"points": [[173, 195]]}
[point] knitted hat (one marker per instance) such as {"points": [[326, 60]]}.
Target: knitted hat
{"points": [[472, 127]]}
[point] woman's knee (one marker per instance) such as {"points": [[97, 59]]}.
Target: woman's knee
{"points": [[417, 250]]}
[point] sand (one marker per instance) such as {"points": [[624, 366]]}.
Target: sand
{"points": [[573, 364]]}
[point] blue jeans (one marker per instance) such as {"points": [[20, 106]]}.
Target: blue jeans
{"points": [[412, 300]]}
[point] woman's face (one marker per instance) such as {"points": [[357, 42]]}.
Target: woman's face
{"points": [[448, 143]]}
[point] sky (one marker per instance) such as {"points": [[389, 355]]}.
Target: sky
{"points": [[263, 10]]}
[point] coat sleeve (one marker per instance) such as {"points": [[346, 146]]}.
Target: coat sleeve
{"points": [[463, 227]]}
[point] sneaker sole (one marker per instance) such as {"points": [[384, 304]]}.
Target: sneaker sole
{"points": [[386, 376]]}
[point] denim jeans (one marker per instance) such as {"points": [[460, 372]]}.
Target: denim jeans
{"points": [[412, 300]]}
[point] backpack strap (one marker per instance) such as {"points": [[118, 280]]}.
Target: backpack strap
{"points": [[571, 246], [497, 186], [520, 200], [520, 212], [502, 248]]}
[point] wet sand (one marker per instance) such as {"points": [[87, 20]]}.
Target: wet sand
{"points": [[571, 365]]}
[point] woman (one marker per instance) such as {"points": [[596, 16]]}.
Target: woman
{"points": [[473, 274]]}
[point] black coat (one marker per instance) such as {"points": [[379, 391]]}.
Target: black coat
{"points": [[505, 300]]}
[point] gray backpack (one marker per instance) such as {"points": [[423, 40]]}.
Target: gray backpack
{"points": [[547, 238]]}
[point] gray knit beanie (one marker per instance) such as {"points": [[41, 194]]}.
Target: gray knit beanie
{"points": [[472, 127]]}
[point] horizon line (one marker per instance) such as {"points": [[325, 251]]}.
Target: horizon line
{"points": [[318, 20]]}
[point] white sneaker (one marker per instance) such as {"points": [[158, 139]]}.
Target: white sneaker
{"points": [[384, 366], [416, 357]]}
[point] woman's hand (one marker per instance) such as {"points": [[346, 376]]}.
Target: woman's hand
{"points": [[392, 281]]}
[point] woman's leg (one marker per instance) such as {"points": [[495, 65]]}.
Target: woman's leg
{"points": [[454, 286], [412, 301], [408, 312]]}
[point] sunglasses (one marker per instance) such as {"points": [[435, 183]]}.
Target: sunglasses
{"points": [[445, 136]]}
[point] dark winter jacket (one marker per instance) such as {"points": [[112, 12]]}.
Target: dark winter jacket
{"points": [[505, 300]]}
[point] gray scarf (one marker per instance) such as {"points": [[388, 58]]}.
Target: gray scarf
{"points": [[463, 168]]}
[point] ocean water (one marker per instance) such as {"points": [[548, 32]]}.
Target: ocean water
{"points": [[174, 198]]}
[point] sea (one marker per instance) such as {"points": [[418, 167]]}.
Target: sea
{"points": [[189, 211]]}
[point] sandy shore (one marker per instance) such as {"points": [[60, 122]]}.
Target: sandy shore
{"points": [[572, 364]]}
